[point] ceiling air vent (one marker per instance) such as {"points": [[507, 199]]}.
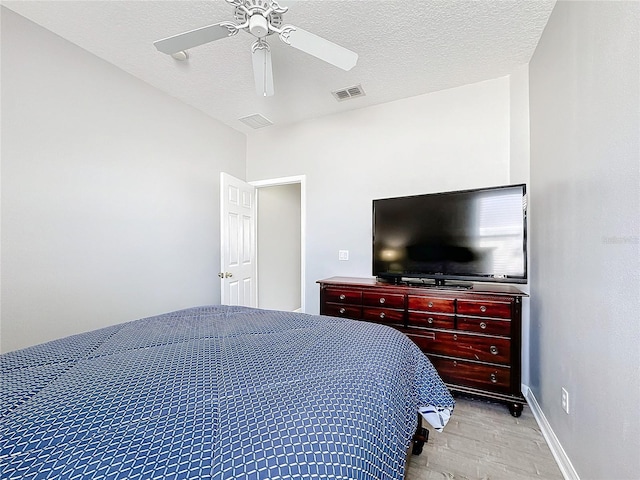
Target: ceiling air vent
{"points": [[349, 92], [256, 121]]}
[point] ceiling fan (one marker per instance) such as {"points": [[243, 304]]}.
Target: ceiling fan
{"points": [[261, 18]]}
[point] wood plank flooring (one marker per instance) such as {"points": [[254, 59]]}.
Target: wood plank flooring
{"points": [[483, 441]]}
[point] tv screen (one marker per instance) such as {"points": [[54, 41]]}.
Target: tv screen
{"points": [[471, 235]]}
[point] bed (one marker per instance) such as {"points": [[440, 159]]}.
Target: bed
{"points": [[218, 392]]}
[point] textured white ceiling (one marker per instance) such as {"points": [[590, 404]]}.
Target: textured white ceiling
{"points": [[405, 47]]}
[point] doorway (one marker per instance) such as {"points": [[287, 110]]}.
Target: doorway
{"points": [[281, 207]]}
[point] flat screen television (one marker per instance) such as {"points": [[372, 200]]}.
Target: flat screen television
{"points": [[452, 237]]}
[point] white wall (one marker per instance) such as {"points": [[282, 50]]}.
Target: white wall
{"points": [[585, 218], [448, 140], [519, 145], [279, 247], [519, 173], [109, 192]]}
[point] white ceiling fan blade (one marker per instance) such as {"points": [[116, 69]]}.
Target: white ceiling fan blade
{"points": [[319, 47], [262, 69], [193, 38]]}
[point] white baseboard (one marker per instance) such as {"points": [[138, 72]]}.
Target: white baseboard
{"points": [[566, 468]]}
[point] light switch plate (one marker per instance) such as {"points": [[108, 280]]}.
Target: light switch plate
{"points": [[343, 255]]}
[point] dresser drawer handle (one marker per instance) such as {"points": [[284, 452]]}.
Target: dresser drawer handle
{"points": [[493, 349], [382, 300], [455, 364], [494, 378], [342, 310], [455, 337], [483, 325], [342, 296], [382, 315], [430, 304], [483, 308], [429, 320]]}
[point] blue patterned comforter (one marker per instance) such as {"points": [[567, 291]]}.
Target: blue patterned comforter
{"points": [[217, 392]]}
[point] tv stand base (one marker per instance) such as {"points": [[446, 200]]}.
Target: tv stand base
{"points": [[439, 283]]}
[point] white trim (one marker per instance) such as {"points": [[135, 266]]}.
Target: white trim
{"points": [[279, 181], [566, 468], [302, 180]]}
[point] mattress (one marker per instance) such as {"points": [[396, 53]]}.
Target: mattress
{"points": [[218, 392]]}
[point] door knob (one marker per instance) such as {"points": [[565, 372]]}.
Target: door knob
{"points": [[228, 274]]}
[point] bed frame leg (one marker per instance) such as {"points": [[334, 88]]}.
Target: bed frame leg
{"points": [[419, 438]]}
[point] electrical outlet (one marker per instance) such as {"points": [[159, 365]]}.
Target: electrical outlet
{"points": [[343, 255], [565, 400]]}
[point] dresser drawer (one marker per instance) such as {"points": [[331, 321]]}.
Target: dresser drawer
{"points": [[431, 320], [490, 326], [485, 308], [471, 335], [472, 347], [339, 295], [346, 311], [383, 299], [474, 375], [431, 304], [383, 315]]}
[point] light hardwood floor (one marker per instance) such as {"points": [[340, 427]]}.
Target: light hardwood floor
{"points": [[483, 441]]}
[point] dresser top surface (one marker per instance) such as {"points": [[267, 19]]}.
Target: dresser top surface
{"points": [[488, 288]]}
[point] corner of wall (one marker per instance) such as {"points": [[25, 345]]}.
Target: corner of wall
{"points": [[519, 125]]}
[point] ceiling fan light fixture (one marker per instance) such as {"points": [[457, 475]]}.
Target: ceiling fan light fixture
{"points": [[258, 25]]}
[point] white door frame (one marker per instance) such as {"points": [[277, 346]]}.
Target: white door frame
{"points": [[302, 180]]}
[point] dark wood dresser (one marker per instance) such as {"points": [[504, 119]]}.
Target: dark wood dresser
{"points": [[472, 336]]}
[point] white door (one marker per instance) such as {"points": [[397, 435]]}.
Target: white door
{"points": [[237, 242]]}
